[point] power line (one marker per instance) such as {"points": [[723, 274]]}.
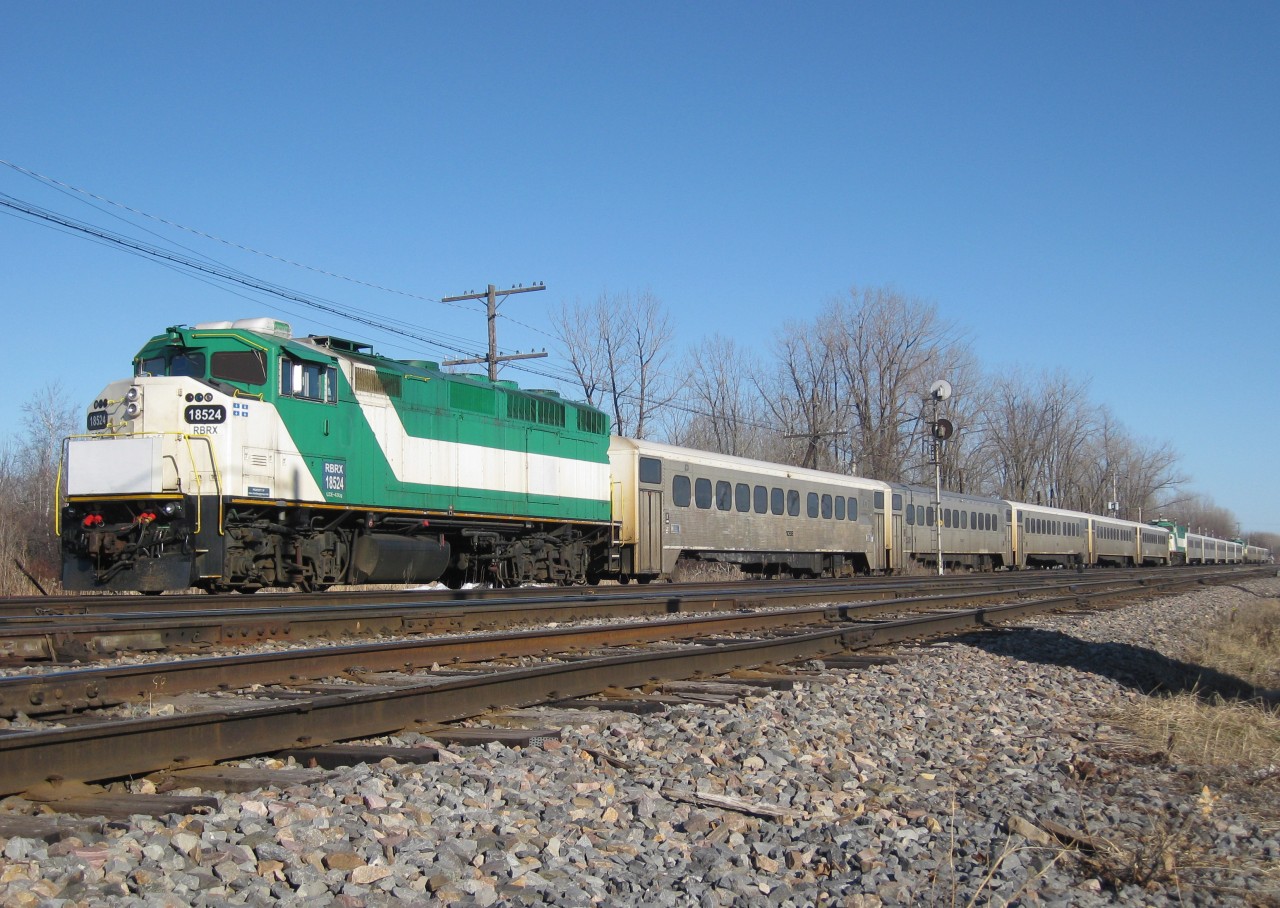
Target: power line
{"points": [[208, 236], [214, 271], [218, 271]]}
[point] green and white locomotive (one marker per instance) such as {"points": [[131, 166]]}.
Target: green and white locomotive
{"points": [[238, 457]]}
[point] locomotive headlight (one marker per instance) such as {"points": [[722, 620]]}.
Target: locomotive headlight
{"points": [[170, 508], [133, 403]]}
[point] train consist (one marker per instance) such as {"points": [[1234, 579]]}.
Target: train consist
{"points": [[238, 457]]}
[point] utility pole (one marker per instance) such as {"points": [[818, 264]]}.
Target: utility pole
{"points": [[491, 295]]}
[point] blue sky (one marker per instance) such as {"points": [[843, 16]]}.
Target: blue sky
{"points": [[1085, 186]]}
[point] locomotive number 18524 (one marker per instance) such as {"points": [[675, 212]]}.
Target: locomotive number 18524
{"points": [[205, 414]]}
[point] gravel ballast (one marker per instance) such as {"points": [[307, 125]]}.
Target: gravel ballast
{"points": [[929, 781]]}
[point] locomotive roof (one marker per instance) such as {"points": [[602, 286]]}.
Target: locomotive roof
{"points": [[327, 345]]}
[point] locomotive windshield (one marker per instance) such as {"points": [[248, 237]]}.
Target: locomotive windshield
{"points": [[248, 367], [174, 361]]}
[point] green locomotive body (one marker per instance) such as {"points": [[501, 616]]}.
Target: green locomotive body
{"points": [[239, 457]]}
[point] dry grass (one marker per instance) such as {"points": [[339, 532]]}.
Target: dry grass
{"points": [[1232, 747], [1247, 646], [1215, 731]]}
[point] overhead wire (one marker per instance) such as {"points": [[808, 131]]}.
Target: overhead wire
{"points": [[211, 271], [51, 181], [217, 271]]}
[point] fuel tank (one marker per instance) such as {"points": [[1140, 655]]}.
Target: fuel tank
{"points": [[387, 558]]}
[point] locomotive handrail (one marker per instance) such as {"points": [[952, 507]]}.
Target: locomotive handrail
{"points": [[217, 478], [57, 490]]}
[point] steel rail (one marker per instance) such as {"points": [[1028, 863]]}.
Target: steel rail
{"points": [[89, 636], [69, 691], [25, 607], [119, 748], [55, 692]]}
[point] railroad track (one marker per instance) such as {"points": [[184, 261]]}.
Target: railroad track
{"points": [[81, 628], [376, 690]]}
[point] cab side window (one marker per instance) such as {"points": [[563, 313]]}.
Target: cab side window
{"points": [[308, 381]]}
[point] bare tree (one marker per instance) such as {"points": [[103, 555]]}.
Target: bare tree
{"points": [[14, 522], [1265, 540], [1200, 514], [1139, 476], [887, 349], [965, 466], [28, 489], [1038, 432], [618, 348], [803, 398], [719, 403]]}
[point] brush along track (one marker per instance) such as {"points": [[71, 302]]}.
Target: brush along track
{"points": [[121, 747]]}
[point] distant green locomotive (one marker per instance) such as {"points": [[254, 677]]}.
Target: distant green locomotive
{"points": [[238, 457]]}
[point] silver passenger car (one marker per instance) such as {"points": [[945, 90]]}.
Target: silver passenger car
{"points": [[768, 519], [1256, 554], [975, 530], [1207, 550], [1124, 543], [1048, 537]]}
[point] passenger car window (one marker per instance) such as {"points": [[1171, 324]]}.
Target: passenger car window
{"points": [[702, 493], [839, 507], [761, 500], [724, 495], [811, 504], [776, 501], [793, 503], [651, 470], [680, 491], [742, 497]]}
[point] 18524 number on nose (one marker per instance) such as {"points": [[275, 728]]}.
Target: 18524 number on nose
{"points": [[205, 414]]}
